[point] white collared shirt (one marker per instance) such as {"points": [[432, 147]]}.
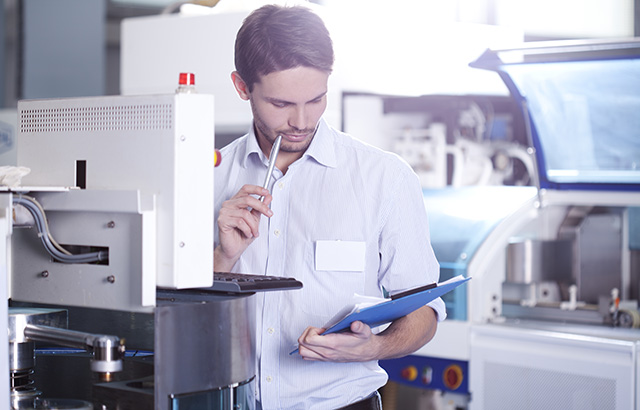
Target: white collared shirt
{"points": [[340, 190]]}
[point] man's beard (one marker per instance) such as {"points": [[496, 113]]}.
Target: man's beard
{"points": [[285, 145]]}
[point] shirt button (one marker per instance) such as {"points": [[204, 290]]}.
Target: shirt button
{"points": [[276, 232], [281, 185], [269, 379], [270, 330]]}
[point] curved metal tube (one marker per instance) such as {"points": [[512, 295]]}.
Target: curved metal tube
{"points": [[108, 351]]}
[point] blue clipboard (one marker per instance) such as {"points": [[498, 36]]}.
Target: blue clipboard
{"points": [[393, 309]]}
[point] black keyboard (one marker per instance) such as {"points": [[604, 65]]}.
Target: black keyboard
{"points": [[244, 283]]}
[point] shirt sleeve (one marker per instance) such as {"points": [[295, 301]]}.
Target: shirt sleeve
{"points": [[407, 259]]}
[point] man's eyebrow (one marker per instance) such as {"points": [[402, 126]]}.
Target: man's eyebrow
{"points": [[279, 101], [276, 100], [318, 97]]}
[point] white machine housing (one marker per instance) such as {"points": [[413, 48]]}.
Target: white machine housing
{"points": [[147, 160]]}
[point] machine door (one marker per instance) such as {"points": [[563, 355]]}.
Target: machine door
{"points": [[582, 101], [529, 369]]}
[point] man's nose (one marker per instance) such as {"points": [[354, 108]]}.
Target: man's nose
{"points": [[297, 119]]}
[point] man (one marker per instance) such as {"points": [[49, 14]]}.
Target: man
{"points": [[343, 217]]}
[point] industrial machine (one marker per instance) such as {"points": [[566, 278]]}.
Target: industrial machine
{"points": [[550, 318], [124, 186], [108, 264]]}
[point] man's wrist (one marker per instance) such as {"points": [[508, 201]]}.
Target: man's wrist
{"points": [[221, 262]]}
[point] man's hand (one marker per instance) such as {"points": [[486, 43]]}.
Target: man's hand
{"points": [[358, 345], [403, 336], [238, 223]]}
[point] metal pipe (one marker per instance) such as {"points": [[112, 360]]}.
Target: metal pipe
{"points": [[108, 351]]}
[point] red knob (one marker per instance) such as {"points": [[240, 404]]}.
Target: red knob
{"points": [[452, 376]]}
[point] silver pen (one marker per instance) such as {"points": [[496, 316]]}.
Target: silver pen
{"points": [[272, 162]]}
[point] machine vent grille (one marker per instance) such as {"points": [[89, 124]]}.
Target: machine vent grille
{"points": [[510, 387], [106, 118]]}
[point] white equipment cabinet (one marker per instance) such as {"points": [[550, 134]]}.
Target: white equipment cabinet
{"points": [[145, 164]]}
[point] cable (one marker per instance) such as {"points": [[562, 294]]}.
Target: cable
{"points": [[52, 247], [40, 211]]}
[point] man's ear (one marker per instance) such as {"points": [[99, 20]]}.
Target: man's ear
{"points": [[240, 85]]}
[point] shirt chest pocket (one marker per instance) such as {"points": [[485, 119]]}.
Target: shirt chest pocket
{"points": [[336, 273]]}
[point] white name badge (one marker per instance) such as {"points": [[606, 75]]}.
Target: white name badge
{"points": [[346, 256]]}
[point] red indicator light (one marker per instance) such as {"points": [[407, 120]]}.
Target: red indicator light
{"points": [[409, 373], [187, 79]]}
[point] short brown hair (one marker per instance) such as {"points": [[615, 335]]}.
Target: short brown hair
{"points": [[275, 38]]}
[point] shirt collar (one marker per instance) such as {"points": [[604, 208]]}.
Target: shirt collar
{"points": [[322, 149], [323, 146], [252, 148]]}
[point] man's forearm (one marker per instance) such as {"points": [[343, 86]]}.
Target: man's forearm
{"points": [[407, 334]]}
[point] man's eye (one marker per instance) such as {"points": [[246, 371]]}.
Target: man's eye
{"points": [[279, 105]]}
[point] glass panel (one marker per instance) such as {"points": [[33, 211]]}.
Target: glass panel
{"points": [[459, 222], [587, 116]]}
